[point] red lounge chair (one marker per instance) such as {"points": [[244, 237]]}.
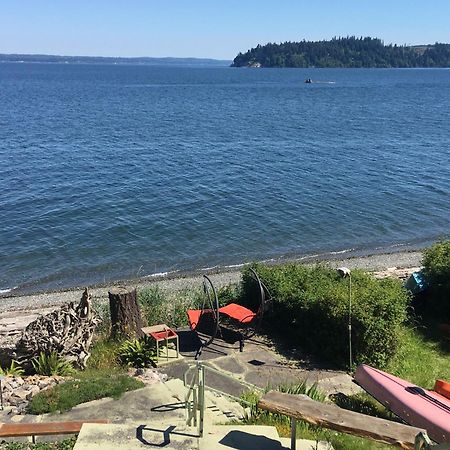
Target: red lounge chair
{"points": [[242, 319]]}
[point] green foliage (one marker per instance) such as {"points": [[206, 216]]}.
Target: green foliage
{"points": [[311, 306], [362, 403], [344, 52], [65, 396], [14, 370], [104, 354], [259, 416], [51, 364], [304, 430], [159, 306], [419, 360], [102, 310], [436, 268], [228, 294], [138, 352], [66, 444]]}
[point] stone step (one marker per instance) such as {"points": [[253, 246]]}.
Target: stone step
{"points": [[306, 444], [139, 436], [134, 436], [242, 437], [219, 408]]}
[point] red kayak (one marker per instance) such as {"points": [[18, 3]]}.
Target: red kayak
{"points": [[416, 406]]}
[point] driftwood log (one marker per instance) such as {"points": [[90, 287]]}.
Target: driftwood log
{"points": [[68, 331], [301, 407], [126, 319]]}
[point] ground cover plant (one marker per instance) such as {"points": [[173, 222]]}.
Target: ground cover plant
{"points": [[85, 388], [311, 306], [66, 444]]}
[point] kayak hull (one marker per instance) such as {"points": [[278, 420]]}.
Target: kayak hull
{"points": [[416, 406]]}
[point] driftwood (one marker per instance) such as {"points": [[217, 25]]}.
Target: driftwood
{"points": [[68, 331], [330, 416]]}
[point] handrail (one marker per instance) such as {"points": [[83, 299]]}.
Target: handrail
{"points": [[197, 389]]}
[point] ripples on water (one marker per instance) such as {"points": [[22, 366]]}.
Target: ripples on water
{"points": [[113, 171]]}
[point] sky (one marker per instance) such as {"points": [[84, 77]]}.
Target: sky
{"points": [[208, 28]]}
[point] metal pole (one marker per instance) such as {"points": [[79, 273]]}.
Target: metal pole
{"points": [[293, 433], [1, 391], [350, 321]]}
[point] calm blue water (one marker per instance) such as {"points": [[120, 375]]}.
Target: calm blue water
{"points": [[111, 171]]}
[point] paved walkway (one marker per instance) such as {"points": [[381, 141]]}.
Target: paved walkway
{"points": [[260, 364]]}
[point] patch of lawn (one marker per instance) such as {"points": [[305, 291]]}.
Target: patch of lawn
{"points": [[89, 386], [419, 359]]}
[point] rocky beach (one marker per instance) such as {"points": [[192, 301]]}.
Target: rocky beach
{"points": [[16, 312]]}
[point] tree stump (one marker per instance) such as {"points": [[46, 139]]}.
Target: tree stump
{"points": [[126, 319]]}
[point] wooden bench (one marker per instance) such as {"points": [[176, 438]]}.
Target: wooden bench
{"points": [[301, 407], [43, 428]]}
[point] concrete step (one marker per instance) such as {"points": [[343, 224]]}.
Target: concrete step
{"points": [[219, 408], [306, 444], [154, 403], [242, 437], [135, 436]]}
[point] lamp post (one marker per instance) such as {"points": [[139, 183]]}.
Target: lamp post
{"points": [[344, 272]]}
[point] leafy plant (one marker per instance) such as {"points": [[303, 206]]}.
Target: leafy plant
{"points": [[256, 415], [138, 352], [51, 364], [159, 306], [104, 354], [14, 370], [311, 305], [436, 268]]}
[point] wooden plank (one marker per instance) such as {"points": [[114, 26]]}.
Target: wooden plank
{"points": [[42, 429], [301, 407]]}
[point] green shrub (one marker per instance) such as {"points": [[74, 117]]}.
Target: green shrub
{"points": [[311, 306], [256, 416], [51, 364], [14, 370], [104, 354], [436, 268], [65, 396], [138, 352], [159, 306]]}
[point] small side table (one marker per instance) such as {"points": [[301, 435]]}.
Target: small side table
{"points": [[162, 333]]}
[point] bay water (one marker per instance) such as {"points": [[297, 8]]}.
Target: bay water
{"points": [[119, 171]]}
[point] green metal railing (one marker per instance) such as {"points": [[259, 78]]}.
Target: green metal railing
{"points": [[423, 442], [195, 397]]}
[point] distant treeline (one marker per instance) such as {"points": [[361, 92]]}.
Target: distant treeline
{"points": [[344, 52], [110, 60]]}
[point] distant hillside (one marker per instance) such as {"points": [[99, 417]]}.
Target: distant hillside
{"points": [[344, 52], [112, 60]]}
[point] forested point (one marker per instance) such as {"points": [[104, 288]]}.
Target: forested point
{"points": [[344, 52]]}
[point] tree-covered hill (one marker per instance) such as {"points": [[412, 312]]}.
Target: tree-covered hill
{"points": [[344, 52]]}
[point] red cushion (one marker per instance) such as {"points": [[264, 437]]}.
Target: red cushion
{"points": [[238, 312], [194, 317]]}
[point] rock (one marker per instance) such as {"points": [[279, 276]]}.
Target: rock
{"points": [[32, 392], [44, 383]]}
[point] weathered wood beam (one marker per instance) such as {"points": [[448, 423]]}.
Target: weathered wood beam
{"points": [[301, 407]]}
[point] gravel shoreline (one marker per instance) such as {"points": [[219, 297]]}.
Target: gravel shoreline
{"points": [[16, 312], [389, 262]]}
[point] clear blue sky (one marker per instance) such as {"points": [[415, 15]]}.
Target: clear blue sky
{"points": [[208, 28]]}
